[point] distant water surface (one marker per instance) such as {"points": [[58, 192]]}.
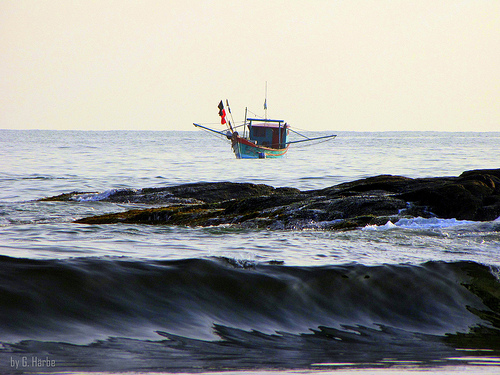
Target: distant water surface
{"points": [[40, 163]]}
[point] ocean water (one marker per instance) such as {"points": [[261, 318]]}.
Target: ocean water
{"points": [[415, 294]]}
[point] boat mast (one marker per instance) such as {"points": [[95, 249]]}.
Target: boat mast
{"points": [[229, 109], [265, 102], [245, 124]]}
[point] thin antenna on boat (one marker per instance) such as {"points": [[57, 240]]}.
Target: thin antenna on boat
{"points": [[245, 124], [265, 102]]}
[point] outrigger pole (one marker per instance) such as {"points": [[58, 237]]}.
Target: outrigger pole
{"points": [[312, 139], [212, 130]]}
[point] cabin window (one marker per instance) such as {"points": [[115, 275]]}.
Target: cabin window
{"points": [[259, 132]]}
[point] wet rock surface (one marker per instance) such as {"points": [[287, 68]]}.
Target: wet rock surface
{"points": [[474, 195]]}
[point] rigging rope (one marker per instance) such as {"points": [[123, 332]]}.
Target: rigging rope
{"points": [[302, 135], [312, 143], [220, 136], [255, 114]]}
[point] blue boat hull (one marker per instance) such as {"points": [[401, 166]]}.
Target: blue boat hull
{"points": [[243, 149]]}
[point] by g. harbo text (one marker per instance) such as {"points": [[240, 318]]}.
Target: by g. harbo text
{"points": [[35, 362]]}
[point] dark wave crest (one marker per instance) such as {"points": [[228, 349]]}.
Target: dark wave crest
{"points": [[54, 295], [233, 314]]}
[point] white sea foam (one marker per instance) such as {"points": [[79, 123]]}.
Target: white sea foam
{"points": [[94, 197], [388, 225], [423, 223], [420, 223]]}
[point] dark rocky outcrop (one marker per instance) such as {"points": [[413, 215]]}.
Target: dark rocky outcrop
{"points": [[474, 195], [203, 192]]}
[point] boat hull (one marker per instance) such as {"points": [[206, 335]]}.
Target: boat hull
{"points": [[243, 149]]}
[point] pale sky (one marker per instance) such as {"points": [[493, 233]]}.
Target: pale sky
{"points": [[330, 65]]}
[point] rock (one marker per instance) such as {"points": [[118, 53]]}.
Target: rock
{"points": [[203, 192], [174, 215], [66, 197], [382, 183], [222, 191], [474, 195]]}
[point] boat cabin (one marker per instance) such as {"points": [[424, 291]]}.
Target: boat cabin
{"points": [[268, 133]]}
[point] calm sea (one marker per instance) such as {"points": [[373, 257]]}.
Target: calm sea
{"points": [[421, 293]]}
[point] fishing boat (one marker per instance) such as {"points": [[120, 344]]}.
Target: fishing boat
{"points": [[262, 137]]}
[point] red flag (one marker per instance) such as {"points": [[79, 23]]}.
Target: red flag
{"points": [[222, 113]]}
